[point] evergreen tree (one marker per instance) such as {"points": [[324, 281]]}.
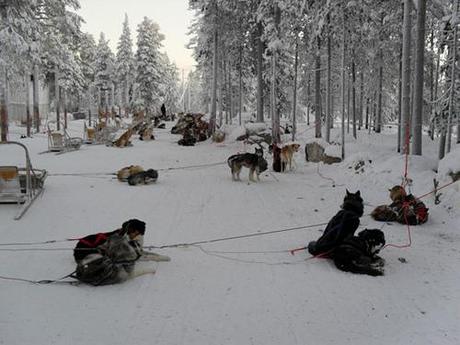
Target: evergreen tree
{"points": [[125, 63], [104, 70], [149, 74]]}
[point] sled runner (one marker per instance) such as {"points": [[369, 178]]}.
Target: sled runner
{"points": [[20, 185]]}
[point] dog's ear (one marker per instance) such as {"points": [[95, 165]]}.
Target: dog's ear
{"points": [[348, 193], [358, 193]]}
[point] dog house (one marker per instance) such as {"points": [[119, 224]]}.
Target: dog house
{"points": [[59, 140], [20, 185]]}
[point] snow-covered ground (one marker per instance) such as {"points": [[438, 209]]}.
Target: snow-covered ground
{"points": [[241, 291]]}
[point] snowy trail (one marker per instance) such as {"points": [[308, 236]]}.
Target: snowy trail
{"points": [[200, 297]]}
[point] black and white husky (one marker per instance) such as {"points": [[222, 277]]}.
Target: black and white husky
{"points": [[255, 162], [358, 254], [116, 261]]}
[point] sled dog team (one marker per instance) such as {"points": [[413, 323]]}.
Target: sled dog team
{"points": [[116, 256], [113, 257]]}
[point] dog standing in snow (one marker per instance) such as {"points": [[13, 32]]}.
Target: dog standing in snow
{"points": [[255, 162], [287, 155]]}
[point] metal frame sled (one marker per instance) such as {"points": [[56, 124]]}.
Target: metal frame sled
{"points": [[60, 141], [20, 185]]}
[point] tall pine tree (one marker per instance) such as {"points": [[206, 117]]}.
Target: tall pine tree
{"points": [[125, 64], [149, 74]]}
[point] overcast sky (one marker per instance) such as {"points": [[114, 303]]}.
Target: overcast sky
{"points": [[172, 15]]}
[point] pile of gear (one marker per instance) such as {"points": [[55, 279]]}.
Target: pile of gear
{"points": [[192, 127], [135, 174]]}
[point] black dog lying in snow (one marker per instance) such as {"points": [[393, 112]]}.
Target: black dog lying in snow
{"points": [[358, 254]]}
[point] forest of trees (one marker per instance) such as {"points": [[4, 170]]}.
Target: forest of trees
{"points": [[365, 62], [42, 40]]}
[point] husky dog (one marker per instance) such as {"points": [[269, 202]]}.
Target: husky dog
{"points": [[358, 254], [254, 161], [287, 155], [341, 226], [146, 134], [143, 177], [123, 141], [111, 257], [115, 263], [126, 172], [405, 208]]}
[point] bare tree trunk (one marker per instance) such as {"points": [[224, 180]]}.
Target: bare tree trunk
{"points": [[36, 98], [361, 92], [4, 106], [378, 121], [212, 120], [260, 51], [318, 89], [275, 114], [64, 101], [399, 97], [436, 84], [452, 83], [224, 89], [294, 100], [431, 69], [28, 117], [353, 95], [374, 110], [328, 84], [308, 100], [442, 142], [331, 125], [348, 104], [367, 113], [343, 79], [418, 82], [406, 73], [240, 88], [57, 98], [221, 95]]}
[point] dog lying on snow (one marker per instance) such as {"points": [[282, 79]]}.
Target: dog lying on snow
{"points": [[124, 139], [358, 254], [135, 174], [111, 257], [255, 162]]}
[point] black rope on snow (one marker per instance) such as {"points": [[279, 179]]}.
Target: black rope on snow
{"points": [[45, 281], [234, 237], [114, 174], [215, 254]]}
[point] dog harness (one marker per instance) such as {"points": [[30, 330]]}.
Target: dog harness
{"points": [[100, 238]]}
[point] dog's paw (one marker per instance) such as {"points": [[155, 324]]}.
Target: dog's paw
{"points": [[378, 272], [378, 262]]}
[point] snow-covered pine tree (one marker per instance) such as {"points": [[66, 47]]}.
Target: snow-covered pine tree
{"points": [[125, 64], [104, 71], [149, 68]]}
